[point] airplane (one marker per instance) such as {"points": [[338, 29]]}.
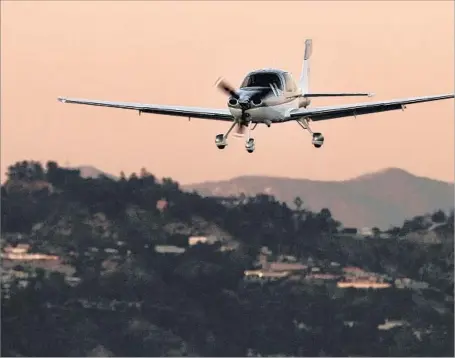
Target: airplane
{"points": [[269, 96]]}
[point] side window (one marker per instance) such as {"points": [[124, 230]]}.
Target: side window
{"points": [[245, 82], [290, 84]]}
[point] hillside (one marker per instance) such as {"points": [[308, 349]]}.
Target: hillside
{"points": [[383, 199], [110, 280]]}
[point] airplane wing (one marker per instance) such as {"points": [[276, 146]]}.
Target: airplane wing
{"points": [[331, 112], [180, 111]]}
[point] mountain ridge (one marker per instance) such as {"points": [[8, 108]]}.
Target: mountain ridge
{"points": [[390, 170], [384, 198]]}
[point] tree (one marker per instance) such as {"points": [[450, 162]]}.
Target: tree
{"points": [[376, 232], [298, 203], [439, 217]]}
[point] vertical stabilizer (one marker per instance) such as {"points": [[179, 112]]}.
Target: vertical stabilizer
{"points": [[305, 75]]}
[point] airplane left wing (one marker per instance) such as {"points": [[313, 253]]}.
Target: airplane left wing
{"points": [[331, 112], [179, 111]]}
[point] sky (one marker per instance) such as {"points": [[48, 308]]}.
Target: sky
{"points": [[173, 52]]}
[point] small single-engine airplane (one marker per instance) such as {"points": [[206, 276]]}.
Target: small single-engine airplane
{"points": [[269, 96]]}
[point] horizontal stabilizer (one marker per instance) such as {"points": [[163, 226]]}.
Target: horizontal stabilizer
{"points": [[338, 95]]}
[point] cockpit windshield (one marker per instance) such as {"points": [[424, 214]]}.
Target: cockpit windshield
{"points": [[262, 79]]}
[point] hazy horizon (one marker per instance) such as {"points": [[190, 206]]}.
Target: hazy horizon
{"points": [[117, 175], [169, 53]]}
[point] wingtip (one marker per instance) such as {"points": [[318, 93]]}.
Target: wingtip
{"points": [[371, 94], [61, 99]]}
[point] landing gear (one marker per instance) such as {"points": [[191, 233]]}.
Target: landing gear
{"points": [[221, 139], [318, 138], [249, 145]]}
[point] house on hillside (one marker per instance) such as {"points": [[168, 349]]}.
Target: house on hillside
{"points": [[169, 249], [210, 240], [366, 232], [321, 277], [353, 271], [363, 284], [287, 258], [389, 324], [286, 266], [264, 275], [18, 250]]}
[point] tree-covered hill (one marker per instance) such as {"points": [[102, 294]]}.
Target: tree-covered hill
{"points": [[130, 299]]}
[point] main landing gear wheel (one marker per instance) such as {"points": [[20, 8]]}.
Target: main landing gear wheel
{"points": [[220, 141], [318, 140], [250, 145]]}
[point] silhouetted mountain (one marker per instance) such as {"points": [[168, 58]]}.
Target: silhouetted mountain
{"points": [[381, 199]]}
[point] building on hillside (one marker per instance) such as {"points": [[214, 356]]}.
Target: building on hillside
{"points": [[363, 284], [230, 246], [262, 275], [19, 249], [412, 284], [28, 257], [286, 266], [231, 201], [169, 249], [111, 251], [210, 240], [21, 253], [354, 271], [323, 277], [366, 232], [389, 324], [287, 258]]}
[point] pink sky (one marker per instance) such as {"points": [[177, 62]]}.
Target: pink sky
{"points": [[173, 52]]}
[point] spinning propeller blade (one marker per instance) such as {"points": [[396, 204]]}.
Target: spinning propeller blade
{"points": [[226, 88]]}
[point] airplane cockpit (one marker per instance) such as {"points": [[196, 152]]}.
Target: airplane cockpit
{"points": [[264, 78]]}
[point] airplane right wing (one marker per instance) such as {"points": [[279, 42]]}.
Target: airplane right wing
{"points": [[348, 110], [179, 111]]}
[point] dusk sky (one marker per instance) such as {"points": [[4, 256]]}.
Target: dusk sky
{"points": [[173, 52]]}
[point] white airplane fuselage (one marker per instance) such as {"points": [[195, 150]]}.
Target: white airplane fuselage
{"points": [[282, 97]]}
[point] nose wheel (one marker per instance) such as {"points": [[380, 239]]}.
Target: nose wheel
{"points": [[249, 145], [221, 139]]}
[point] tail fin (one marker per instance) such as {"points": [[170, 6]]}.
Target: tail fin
{"points": [[304, 77]]}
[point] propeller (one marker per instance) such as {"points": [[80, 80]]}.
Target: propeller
{"points": [[226, 88], [244, 105]]}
